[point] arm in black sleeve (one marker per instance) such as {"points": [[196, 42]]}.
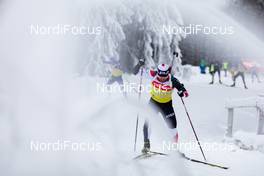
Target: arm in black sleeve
{"points": [[176, 84], [136, 68]]}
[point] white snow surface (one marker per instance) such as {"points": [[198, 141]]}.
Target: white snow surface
{"points": [[42, 102], [87, 115]]}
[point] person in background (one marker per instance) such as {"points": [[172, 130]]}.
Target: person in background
{"points": [[116, 72], [255, 73], [202, 66], [213, 68], [232, 70], [225, 67], [240, 71]]}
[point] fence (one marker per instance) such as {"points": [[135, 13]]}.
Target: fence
{"points": [[230, 118]]}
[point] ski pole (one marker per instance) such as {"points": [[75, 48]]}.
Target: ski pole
{"points": [[193, 128], [135, 143], [175, 54], [139, 96]]}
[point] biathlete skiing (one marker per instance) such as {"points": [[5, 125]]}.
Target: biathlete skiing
{"points": [[116, 73], [162, 85]]}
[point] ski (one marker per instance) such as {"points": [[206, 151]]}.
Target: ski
{"points": [[153, 153], [148, 155], [158, 153], [203, 162], [144, 156]]}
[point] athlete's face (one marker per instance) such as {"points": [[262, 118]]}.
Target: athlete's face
{"points": [[163, 78]]}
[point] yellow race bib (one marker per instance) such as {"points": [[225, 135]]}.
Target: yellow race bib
{"points": [[161, 93], [117, 72]]}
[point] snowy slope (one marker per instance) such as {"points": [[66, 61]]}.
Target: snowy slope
{"points": [[109, 119], [41, 101], [115, 127]]}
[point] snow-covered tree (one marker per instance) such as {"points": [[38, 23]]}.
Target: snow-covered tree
{"points": [[130, 30]]}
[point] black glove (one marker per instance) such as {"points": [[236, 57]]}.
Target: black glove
{"points": [[141, 62], [137, 67], [176, 54], [183, 93]]}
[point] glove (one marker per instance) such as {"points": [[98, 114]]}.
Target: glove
{"points": [[141, 62], [183, 93], [186, 94], [137, 67], [176, 54]]}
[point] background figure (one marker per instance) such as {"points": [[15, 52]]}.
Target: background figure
{"points": [[116, 73], [213, 68], [233, 68], [203, 66], [225, 67], [254, 73], [240, 71]]}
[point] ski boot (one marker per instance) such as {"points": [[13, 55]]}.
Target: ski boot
{"points": [[146, 147]]}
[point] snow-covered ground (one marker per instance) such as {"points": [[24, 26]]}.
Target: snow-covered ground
{"points": [[42, 103], [107, 123]]}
